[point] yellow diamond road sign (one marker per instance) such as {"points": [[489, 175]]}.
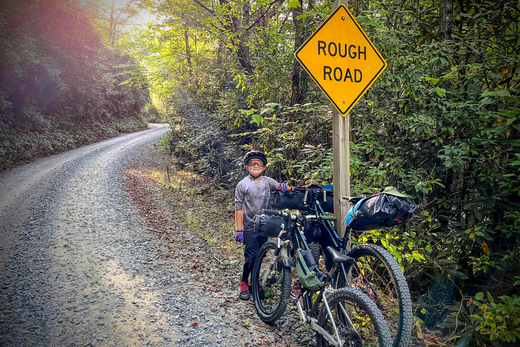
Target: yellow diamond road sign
{"points": [[341, 59]]}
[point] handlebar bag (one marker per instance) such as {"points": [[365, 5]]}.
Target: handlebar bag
{"points": [[328, 205], [301, 198], [324, 193], [292, 200], [380, 210], [270, 225], [307, 270]]}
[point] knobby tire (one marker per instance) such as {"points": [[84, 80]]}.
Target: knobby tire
{"points": [[388, 288], [270, 300], [370, 326]]}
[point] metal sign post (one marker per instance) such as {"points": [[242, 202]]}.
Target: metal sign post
{"points": [[344, 63], [341, 168], [341, 161]]}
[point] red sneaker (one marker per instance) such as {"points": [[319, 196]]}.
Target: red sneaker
{"points": [[244, 291]]}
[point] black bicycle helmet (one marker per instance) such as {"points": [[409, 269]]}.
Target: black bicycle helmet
{"points": [[255, 154]]}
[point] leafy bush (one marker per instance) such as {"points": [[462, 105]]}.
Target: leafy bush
{"points": [[500, 321]]}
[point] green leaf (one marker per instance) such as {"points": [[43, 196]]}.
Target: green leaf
{"points": [[476, 316], [294, 4], [479, 296], [441, 91], [490, 297], [269, 109], [417, 256], [459, 274], [503, 93], [257, 119], [478, 215], [366, 20], [433, 81]]}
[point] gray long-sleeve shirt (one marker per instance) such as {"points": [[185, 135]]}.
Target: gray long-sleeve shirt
{"points": [[251, 197]]}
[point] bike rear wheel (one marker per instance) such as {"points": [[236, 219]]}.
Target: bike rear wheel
{"points": [[378, 275], [356, 318], [271, 281]]}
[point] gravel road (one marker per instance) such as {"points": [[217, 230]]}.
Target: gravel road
{"points": [[79, 267], [73, 257]]}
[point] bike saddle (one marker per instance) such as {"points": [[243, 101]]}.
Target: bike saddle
{"points": [[337, 257]]}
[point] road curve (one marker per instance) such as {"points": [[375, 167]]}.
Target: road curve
{"points": [[21, 188], [70, 254]]}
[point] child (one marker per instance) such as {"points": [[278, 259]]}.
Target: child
{"points": [[252, 194]]}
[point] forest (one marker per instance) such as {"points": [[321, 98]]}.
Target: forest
{"points": [[62, 84], [441, 123]]}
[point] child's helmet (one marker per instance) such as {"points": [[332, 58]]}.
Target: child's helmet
{"points": [[255, 154]]}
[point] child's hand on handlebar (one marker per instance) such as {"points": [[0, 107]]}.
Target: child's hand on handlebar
{"points": [[283, 187]]}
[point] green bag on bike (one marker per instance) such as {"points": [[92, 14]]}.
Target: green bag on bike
{"points": [[307, 269]]}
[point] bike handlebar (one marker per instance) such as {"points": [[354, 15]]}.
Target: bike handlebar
{"points": [[274, 212]]}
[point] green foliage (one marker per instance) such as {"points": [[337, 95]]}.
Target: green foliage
{"points": [[500, 321], [296, 140], [196, 144], [485, 321]]}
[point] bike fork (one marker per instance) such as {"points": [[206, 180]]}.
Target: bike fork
{"points": [[281, 255]]}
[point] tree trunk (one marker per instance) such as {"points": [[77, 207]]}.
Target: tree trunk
{"points": [[445, 19], [111, 34], [242, 50], [296, 97], [188, 51], [239, 37]]}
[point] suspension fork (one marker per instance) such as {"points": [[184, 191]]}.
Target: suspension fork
{"points": [[281, 254]]}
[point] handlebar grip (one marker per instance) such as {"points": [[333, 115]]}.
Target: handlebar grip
{"points": [[328, 217], [272, 212]]}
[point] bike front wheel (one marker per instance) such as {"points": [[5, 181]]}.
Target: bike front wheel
{"points": [[271, 281], [377, 274], [354, 320]]}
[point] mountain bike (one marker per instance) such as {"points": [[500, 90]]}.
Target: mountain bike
{"points": [[340, 317], [375, 271]]}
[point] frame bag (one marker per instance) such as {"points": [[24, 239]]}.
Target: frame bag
{"points": [[308, 273]]}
